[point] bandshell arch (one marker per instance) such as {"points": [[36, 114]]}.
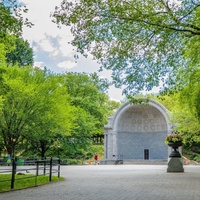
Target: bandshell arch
{"points": [[137, 130]]}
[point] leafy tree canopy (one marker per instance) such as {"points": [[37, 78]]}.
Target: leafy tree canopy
{"points": [[11, 19], [11, 22], [40, 110], [21, 54], [183, 119], [143, 42], [190, 95], [88, 92], [8, 23], [2, 53], [34, 107]]}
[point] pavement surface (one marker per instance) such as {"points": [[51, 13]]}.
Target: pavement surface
{"points": [[117, 182]]}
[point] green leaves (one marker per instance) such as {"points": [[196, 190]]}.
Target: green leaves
{"points": [[21, 55], [13, 49], [35, 107], [173, 138], [87, 93], [39, 109], [192, 90], [182, 117], [8, 23], [142, 42]]}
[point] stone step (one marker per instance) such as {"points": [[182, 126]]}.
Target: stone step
{"points": [[145, 162], [133, 162]]}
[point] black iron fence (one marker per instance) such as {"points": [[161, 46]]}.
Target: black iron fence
{"points": [[46, 167]]}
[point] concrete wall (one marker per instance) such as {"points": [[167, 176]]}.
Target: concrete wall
{"points": [[132, 145]]}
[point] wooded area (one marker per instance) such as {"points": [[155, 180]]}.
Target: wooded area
{"points": [[144, 43]]}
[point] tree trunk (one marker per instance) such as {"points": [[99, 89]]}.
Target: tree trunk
{"points": [[43, 150]]}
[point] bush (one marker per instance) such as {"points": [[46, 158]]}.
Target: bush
{"points": [[72, 161], [197, 158]]}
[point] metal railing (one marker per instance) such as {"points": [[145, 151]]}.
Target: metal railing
{"points": [[39, 168]]}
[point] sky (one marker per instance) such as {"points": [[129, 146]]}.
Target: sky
{"points": [[51, 45]]}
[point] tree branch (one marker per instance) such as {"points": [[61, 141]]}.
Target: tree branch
{"points": [[166, 5], [172, 28], [184, 16], [166, 26]]}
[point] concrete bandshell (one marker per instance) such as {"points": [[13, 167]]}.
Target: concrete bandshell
{"points": [[123, 140]]}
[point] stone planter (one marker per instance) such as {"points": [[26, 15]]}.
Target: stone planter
{"points": [[175, 153], [175, 163]]}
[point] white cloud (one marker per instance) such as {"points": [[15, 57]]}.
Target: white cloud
{"points": [[67, 65], [39, 14], [115, 94], [65, 48], [40, 65], [46, 45], [44, 34], [55, 53]]}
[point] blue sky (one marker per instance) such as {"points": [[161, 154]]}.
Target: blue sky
{"points": [[51, 44]]}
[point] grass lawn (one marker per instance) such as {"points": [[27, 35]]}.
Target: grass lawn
{"points": [[24, 183]]}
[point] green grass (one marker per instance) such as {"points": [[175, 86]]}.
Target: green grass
{"points": [[24, 183]]}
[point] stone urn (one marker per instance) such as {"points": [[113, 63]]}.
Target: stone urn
{"points": [[175, 145], [175, 163]]}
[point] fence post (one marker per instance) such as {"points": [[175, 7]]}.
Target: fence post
{"points": [[37, 173], [50, 172], [45, 159], [37, 170], [14, 167], [58, 167]]}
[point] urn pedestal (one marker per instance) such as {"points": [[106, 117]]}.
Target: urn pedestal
{"points": [[175, 163]]}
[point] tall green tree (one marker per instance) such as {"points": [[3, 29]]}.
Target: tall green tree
{"points": [[21, 55], [78, 144], [11, 22], [191, 93], [183, 118], [88, 92], [11, 15], [35, 107], [143, 42], [88, 95]]}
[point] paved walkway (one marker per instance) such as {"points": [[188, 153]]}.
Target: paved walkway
{"points": [[117, 182]]}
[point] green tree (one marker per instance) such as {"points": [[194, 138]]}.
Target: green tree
{"points": [[78, 144], [182, 118], [11, 22], [88, 95], [56, 116], [191, 93], [143, 42], [184, 121], [2, 54], [11, 15], [21, 55], [190, 97], [35, 108]]}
